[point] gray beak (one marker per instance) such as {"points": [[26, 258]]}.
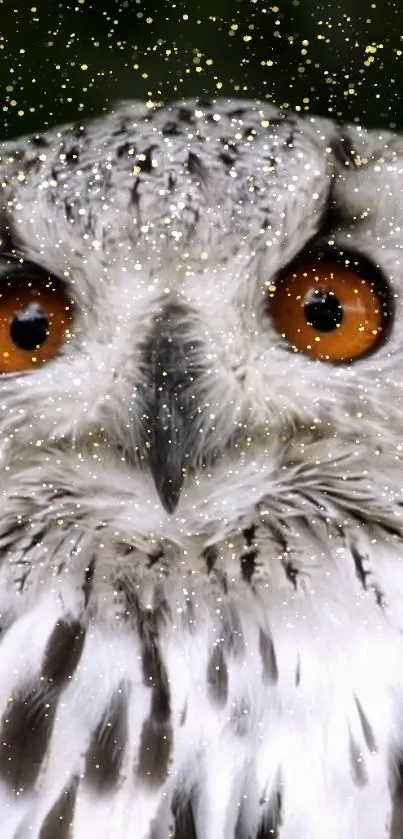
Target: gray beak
{"points": [[171, 424]]}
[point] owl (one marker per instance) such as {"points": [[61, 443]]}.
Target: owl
{"points": [[201, 446]]}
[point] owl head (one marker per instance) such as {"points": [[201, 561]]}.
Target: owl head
{"points": [[201, 310]]}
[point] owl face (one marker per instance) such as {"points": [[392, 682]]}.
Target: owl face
{"points": [[202, 309]]}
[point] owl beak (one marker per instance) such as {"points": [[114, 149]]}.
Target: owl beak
{"points": [[169, 419], [166, 447]]}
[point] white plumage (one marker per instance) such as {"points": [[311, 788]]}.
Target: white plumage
{"points": [[201, 579]]}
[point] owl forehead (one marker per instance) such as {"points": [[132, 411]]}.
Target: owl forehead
{"points": [[202, 200], [179, 181]]}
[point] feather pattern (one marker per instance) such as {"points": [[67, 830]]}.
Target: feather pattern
{"points": [[230, 669], [146, 673]]}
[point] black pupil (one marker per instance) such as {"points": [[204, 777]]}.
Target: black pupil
{"points": [[29, 328], [323, 310]]}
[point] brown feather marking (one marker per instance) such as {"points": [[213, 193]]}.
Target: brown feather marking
{"points": [[156, 736], [155, 752], [268, 656], [217, 676], [27, 723], [63, 652], [184, 819], [366, 728], [358, 767], [103, 761], [25, 731], [59, 820], [272, 820], [232, 634]]}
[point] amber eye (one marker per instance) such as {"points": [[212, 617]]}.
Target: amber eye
{"points": [[330, 311], [35, 315]]}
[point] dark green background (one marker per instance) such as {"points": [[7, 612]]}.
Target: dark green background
{"points": [[60, 60]]}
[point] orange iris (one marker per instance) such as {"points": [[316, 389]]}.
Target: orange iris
{"points": [[328, 311], [35, 316]]}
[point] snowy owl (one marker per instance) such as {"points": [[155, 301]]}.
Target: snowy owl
{"points": [[201, 445]]}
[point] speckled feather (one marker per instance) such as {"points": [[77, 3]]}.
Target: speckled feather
{"points": [[231, 669]]}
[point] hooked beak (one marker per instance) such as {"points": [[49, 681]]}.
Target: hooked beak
{"points": [[170, 421]]}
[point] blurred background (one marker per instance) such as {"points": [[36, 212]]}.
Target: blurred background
{"points": [[60, 60]]}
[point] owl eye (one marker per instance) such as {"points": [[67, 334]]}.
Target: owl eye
{"points": [[331, 310], [35, 315]]}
